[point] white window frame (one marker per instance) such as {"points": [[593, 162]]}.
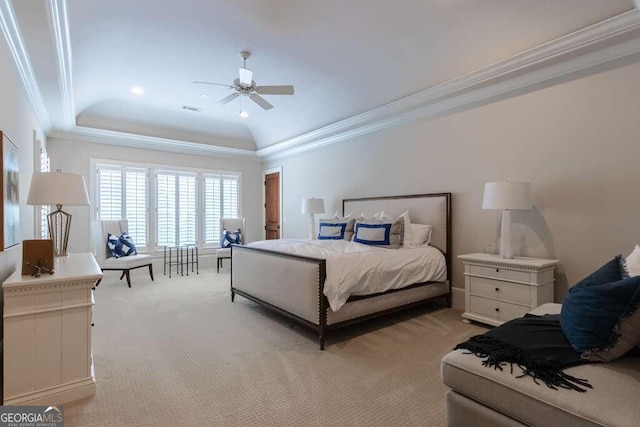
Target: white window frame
{"points": [[41, 164], [152, 170]]}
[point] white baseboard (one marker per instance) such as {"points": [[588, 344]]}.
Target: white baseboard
{"points": [[457, 298], [56, 395]]}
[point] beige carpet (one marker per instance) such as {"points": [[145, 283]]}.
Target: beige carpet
{"points": [[177, 352]]}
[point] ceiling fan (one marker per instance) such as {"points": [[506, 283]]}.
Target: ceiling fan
{"points": [[244, 85]]}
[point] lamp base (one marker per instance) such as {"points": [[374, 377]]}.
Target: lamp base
{"points": [[312, 227], [59, 225], [505, 235]]}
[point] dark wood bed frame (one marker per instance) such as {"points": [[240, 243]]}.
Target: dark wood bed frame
{"points": [[323, 328]]}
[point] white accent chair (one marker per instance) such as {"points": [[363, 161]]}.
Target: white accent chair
{"points": [[124, 264], [231, 224]]}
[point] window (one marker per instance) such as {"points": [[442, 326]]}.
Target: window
{"points": [[45, 166], [166, 207], [221, 200], [177, 208], [122, 193]]}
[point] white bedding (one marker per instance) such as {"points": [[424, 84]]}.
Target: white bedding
{"points": [[357, 269]]}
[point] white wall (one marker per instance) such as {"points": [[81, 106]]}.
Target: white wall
{"points": [[74, 156], [18, 121], [577, 143]]}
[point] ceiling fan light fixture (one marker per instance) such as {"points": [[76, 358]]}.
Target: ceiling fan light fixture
{"points": [[137, 90], [244, 114]]}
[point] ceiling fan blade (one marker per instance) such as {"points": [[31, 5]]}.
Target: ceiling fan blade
{"points": [[246, 76], [275, 90], [213, 84], [260, 101], [228, 99]]}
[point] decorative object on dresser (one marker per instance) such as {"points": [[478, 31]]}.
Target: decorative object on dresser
{"points": [[506, 196], [60, 189], [302, 286], [499, 289], [108, 261], [311, 207], [9, 188], [47, 333], [37, 257]]}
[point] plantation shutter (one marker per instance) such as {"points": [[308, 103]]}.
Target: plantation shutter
{"points": [[166, 215], [136, 205], [187, 213], [109, 192], [221, 200], [45, 166]]}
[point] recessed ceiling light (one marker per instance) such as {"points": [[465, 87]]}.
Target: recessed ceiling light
{"points": [[137, 90], [204, 95], [244, 114]]}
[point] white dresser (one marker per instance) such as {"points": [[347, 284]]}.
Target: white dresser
{"points": [[499, 289], [47, 333]]}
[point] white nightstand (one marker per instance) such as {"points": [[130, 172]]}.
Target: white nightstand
{"points": [[499, 289]]}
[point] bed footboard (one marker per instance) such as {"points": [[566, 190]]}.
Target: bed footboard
{"points": [[289, 284]]}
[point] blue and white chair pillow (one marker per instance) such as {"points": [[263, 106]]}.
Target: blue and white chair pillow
{"points": [[229, 238], [121, 246]]}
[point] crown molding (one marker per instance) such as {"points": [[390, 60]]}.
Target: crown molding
{"points": [[122, 139], [12, 34], [58, 18], [585, 49]]}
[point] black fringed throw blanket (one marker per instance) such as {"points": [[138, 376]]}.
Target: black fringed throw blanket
{"points": [[536, 344]]}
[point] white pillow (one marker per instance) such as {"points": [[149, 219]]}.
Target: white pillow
{"points": [[420, 234], [337, 216], [633, 262], [377, 216], [406, 241]]}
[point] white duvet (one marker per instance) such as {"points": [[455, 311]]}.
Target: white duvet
{"points": [[357, 269]]}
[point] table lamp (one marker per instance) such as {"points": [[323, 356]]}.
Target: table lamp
{"points": [[58, 188], [312, 206], [506, 196]]}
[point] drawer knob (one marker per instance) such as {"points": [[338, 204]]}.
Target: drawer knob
{"points": [[497, 309], [497, 270], [497, 289]]}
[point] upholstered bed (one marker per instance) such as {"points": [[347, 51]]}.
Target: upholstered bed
{"points": [[293, 284]]}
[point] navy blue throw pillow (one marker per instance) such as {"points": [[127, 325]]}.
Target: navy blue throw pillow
{"points": [[229, 238], [612, 271], [121, 246], [602, 320], [127, 247], [113, 245]]}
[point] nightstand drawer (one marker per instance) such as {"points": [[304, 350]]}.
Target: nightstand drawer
{"points": [[500, 273], [496, 289], [496, 309]]}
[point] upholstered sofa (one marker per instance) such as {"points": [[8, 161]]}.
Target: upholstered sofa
{"points": [[481, 396]]}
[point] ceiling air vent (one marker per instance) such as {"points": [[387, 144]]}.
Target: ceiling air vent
{"points": [[190, 108]]}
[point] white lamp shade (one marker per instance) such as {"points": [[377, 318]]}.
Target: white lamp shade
{"points": [[507, 195], [312, 206], [58, 188]]}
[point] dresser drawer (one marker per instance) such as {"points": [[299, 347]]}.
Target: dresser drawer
{"points": [[496, 309], [500, 273], [503, 291]]}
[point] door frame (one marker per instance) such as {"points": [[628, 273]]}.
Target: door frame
{"points": [[264, 199]]}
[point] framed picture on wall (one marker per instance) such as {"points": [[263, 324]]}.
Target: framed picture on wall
{"points": [[9, 182]]}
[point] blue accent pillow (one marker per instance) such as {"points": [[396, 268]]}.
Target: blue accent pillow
{"points": [[228, 238], [121, 246], [602, 319], [113, 245], [127, 247], [612, 271], [332, 231]]}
